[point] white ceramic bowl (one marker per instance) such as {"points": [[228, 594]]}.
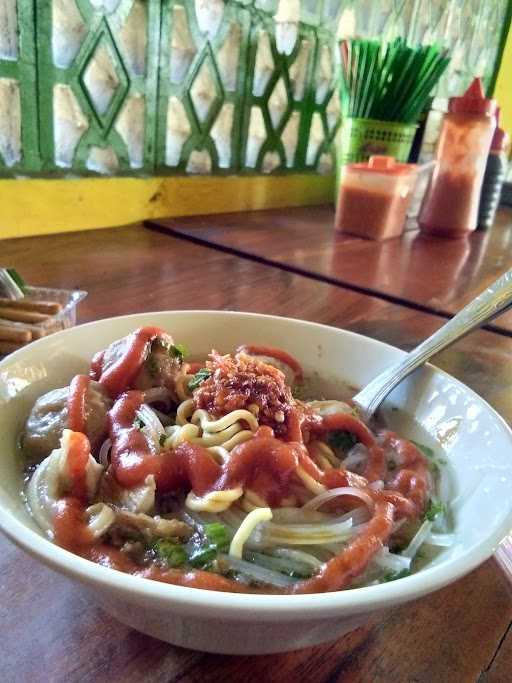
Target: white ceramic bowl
{"points": [[477, 443]]}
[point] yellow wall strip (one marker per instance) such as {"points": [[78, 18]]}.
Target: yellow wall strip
{"points": [[40, 206]]}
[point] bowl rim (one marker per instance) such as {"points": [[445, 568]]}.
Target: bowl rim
{"points": [[244, 605]]}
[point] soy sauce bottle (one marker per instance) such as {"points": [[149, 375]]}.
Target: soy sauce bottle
{"points": [[494, 177]]}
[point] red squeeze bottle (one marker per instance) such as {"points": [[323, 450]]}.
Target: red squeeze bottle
{"points": [[450, 205]]}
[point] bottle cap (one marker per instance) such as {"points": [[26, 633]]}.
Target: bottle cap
{"points": [[473, 101], [383, 164]]}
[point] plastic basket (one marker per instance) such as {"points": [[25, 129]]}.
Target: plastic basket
{"points": [[362, 138], [359, 139]]}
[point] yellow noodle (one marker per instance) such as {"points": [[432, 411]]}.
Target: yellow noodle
{"points": [[184, 412], [310, 483], [209, 425], [217, 438], [252, 500], [324, 463], [215, 501], [246, 528], [328, 453]]}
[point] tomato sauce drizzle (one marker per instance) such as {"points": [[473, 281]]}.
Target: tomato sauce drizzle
{"points": [[278, 354], [265, 464], [122, 371], [72, 533], [260, 462], [77, 458], [77, 402]]}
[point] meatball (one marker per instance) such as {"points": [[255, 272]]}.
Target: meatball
{"points": [[160, 368], [49, 416], [145, 359]]}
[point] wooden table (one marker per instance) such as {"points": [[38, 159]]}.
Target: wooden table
{"points": [[432, 274], [50, 632]]}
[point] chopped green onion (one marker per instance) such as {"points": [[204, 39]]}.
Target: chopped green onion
{"points": [[435, 508], [162, 439], [177, 351], [199, 378], [202, 557], [434, 463], [217, 535], [174, 555]]}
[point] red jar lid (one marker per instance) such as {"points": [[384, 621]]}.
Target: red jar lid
{"points": [[473, 101], [383, 164]]}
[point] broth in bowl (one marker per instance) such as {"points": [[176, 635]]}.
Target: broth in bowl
{"points": [[229, 473]]}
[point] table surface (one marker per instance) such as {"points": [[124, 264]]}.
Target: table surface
{"points": [[50, 632], [434, 274]]}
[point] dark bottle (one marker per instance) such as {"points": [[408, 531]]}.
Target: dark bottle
{"points": [[494, 177]]}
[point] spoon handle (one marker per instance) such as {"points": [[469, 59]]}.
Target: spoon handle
{"points": [[493, 301]]}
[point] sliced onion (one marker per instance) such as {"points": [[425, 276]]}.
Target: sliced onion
{"points": [[153, 428], [418, 540], [298, 556], [395, 563], [103, 455], [291, 515], [441, 540], [357, 455], [334, 493], [304, 534], [287, 565], [257, 573]]}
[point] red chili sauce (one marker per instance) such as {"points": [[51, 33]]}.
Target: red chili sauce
{"points": [[264, 464]]}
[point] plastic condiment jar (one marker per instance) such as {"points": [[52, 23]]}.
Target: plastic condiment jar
{"points": [[450, 205], [374, 198]]}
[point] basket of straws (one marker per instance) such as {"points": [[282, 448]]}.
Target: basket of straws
{"points": [[384, 88]]}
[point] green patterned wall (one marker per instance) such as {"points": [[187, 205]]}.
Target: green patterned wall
{"points": [[201, 86]]}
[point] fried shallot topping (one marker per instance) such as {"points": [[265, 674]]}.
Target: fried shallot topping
{"points": [[243, 382]]}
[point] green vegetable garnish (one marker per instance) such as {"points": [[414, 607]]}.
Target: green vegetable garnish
{"points": [[202, 557], [393, 576], [177, 351], [434, 463], [173, 554], [342, 440], [199, 378], [162, 439], [217, 535], [435, 508], [137, 423], [216, 540]]}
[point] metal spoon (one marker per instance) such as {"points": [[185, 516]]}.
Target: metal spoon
{"points": [[493, 301]]}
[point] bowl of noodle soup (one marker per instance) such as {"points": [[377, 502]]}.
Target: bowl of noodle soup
{"points": [[287, 523]]}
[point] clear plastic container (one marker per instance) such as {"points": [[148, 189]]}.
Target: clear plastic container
{"points": [[374, 198], [450, 207], [66, 317]]}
